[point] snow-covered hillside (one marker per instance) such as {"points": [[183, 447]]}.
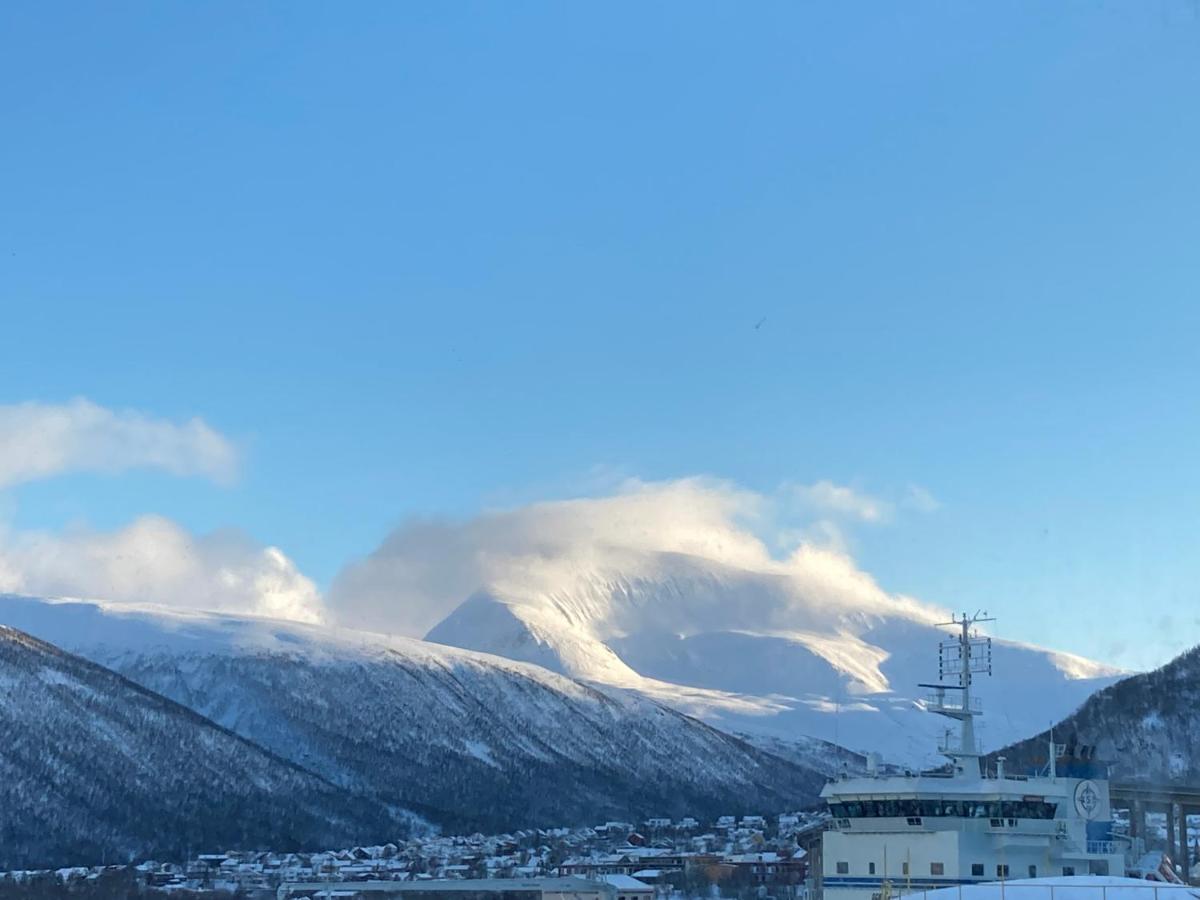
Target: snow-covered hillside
{"points": [[94, 768], [1146, 726], [466, 739], [763, 652]]}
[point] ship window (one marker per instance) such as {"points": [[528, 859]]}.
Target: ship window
{"points": [[1068, 870], [951, 808], [903, 868], [843, 868], [837, 810], [977, 870], [914, 820], [937, 868], [930, 808], [870, 868], [1002, 870], [1033, 871]]}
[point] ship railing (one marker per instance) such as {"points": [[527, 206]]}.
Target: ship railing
{"points": [[1104, 848], [941, 702], [1060, 890], [951, 744]]}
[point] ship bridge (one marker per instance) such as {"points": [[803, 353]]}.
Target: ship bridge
{"points": [[969, 823]]}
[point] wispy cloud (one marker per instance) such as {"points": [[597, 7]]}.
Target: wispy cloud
{"points": [[828, 498], [39, 440], [154, 560]]}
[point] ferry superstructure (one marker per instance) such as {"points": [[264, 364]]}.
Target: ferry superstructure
{"points": [[893, 834]]}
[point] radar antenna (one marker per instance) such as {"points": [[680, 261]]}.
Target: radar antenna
{"points": [[961, 657]]}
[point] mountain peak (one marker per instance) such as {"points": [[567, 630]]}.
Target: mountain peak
{"points": [[764, 652]]}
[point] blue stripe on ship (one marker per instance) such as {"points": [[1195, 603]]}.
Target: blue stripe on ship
{"points": [[924, 884]]}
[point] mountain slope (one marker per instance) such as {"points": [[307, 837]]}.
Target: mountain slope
{"points": [[761, 652], [1146, 726], [829, 759], [94, 767], [468, 740]]}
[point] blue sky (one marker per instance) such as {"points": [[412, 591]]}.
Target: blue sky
{"points": [[422, 259]]}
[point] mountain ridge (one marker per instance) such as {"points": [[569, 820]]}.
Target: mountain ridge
{"points": [[762, 653], [98, 767], [470, 741]]}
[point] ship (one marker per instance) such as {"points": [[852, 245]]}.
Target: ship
{"points": [[969, 821]]}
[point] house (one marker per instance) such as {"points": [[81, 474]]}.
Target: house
{"points": [[768, 867], [598, 866]]}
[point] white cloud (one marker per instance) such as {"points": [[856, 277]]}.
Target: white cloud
{"points": [[426, 568], [153, 560], [40, 440], [839, 500]]}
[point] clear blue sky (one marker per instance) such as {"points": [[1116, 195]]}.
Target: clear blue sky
{"points": [[420, 258]]}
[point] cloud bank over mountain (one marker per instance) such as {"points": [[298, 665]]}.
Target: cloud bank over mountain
{"points": [[154, 560], [742, 608], [425, 568]]}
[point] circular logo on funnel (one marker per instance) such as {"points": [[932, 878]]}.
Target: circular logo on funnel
{"points": [[1087, 799]]}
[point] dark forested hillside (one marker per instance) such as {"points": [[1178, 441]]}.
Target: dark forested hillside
{"points": [[95, 768], [1146, 726]]}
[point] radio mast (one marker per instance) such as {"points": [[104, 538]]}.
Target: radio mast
{"points": [[963, 656]]}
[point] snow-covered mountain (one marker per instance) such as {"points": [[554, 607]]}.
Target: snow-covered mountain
{"points": [[764, 652], [464, 739], [94, 767], [827, 758], [1146, 726]]}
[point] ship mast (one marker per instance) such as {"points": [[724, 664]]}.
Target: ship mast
{"points": [[965, 655]]}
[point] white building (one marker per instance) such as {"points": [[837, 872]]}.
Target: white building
{"points": [[629, 888]]}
